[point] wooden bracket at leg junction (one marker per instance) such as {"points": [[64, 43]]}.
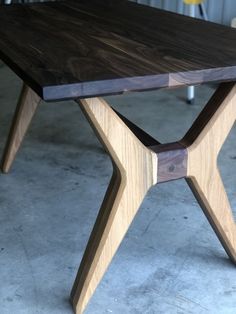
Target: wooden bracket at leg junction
{"points": [[139, 163]]}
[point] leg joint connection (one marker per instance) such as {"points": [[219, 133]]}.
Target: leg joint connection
{"points": [[172, 161]]}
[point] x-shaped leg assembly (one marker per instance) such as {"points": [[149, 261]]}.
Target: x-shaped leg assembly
{"points": [[140, 162]]}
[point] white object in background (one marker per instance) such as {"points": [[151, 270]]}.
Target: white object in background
{"points": [[233, 22], [191, 95], [191, 92], [7, 1], [192, 8]]}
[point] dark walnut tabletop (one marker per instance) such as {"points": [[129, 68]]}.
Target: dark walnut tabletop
{"points": [[87, 48]]}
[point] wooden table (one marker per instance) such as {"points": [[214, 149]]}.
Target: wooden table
{"points": [[84, 49]]}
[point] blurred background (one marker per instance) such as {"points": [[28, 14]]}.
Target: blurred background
{"points": [[220, 11]]}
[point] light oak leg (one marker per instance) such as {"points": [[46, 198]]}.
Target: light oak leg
{"points": [[207, 136], [138, 166], [26, 107], [214, 202], [135, 168]]}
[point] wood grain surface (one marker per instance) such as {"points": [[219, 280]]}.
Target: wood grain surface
{"points": [[204, 141], [135, 171], [71, 49], [25, 110], [172, 161], [140, 162]]}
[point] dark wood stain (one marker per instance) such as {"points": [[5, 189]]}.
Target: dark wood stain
{"points": [[82, 48], [172, 161]]}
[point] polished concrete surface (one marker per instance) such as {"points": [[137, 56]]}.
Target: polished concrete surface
{"points": [[170, 261]]}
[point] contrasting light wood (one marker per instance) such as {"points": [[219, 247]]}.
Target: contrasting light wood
{"points": [[203, 174], [135, 168], [140, 162], [25, 110]]}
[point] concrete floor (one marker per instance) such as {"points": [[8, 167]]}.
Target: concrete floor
{"points": [[169, 262]]}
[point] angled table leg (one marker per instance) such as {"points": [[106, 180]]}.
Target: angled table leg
{"points": [[204, 141], [134, 173], [140, 162], [26, 107]]}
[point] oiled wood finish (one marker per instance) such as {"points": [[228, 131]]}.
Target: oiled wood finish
{"points": [[172, 161], [69, 49], [204, 141], [87, 48], [137, 167], [25, 110], [135, 171]]}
